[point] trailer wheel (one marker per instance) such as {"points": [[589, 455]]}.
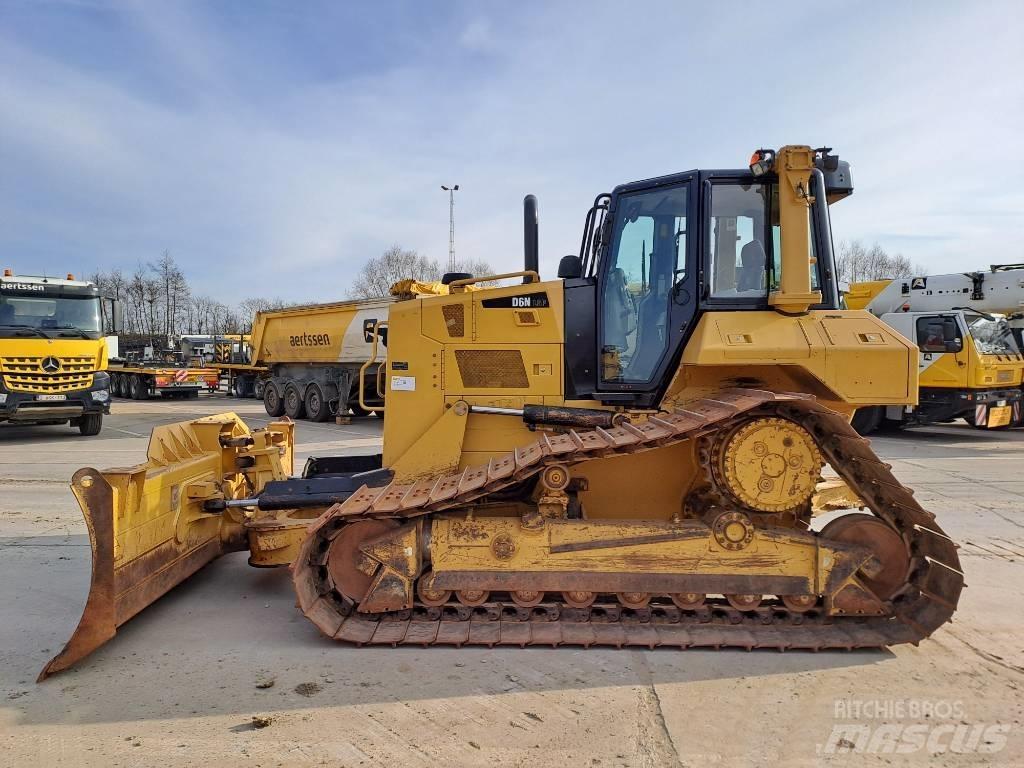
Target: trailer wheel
{"points": [[90, 424], [115, 385], [272, 399], [294, 406], [138, 388], [243, 386], [317, 407]]}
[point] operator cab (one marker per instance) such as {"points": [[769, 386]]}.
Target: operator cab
{"points": [[658, 253]]}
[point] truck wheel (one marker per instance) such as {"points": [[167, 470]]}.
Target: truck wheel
{"points": [[137, 388], [866, 420], [257, 388], [317, 406], [90, 424], [272, 400], [294, 407]]}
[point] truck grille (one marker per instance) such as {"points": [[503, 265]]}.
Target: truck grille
{"points": [[26, 374]]}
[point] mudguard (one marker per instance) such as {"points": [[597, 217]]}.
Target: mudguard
{"points": [[148, 527]]}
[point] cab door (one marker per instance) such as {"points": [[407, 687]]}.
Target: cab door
{"points": [[646, 297]]}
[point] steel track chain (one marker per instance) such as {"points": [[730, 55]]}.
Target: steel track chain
{"points": [[925, 602]]}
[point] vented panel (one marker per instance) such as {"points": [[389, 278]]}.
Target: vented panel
{"points": [[492, 368], [455, 319], [526, 317]]}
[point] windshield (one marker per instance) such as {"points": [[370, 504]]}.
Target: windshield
{"points": [[992, 337], [51, 314]]}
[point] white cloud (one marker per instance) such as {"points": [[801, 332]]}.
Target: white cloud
{"points": [[285, 182]]}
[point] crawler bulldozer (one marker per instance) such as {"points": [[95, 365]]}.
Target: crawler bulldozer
{"points": [[626, 456]]}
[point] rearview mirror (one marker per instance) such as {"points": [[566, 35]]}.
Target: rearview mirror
{"points": [[570, 267], [116, 317], [951, 335]]}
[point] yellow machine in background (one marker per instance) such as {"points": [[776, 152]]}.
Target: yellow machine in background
{"points": [[625, 456], [970, 363], [53, 353]]}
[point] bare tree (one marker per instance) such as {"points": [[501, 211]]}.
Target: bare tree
{"points": [[248, 308], [855, 263], [378, 274], [395, 264]]}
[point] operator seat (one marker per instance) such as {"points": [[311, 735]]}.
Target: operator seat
{"points": [[750, 275], [620, 311]]}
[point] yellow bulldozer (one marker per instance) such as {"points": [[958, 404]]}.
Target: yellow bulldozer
{"points": [[626, 456]]}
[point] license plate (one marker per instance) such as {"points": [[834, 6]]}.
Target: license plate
{"points": [[999, 416], [50, 398]]}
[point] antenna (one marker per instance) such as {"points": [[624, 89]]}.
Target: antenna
{"points": [[451, 224]]}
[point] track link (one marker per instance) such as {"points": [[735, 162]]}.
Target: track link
{"points": [[924, 603]]}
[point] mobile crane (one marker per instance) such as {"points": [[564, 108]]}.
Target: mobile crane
{"points": [[967, 327]]}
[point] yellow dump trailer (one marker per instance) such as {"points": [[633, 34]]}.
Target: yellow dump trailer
{"points": [[304, 362]]}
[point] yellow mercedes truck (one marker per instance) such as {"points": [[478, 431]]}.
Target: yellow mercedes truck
{"points": [[53, 352]]}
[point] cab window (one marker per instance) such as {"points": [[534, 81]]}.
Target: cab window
{"points": [[746, 242], [740, 248], [938, 334], [647, 258]]}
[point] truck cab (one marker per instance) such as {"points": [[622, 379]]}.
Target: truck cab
{"points": [[53, 352], [969, 367]]}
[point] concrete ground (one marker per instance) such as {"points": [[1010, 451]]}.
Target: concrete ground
{"points": [[181, 683]]}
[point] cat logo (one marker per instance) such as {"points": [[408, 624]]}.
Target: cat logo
{"points": [[918, 283]]}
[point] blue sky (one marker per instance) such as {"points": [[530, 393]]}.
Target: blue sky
{"points": [[273, 147]]}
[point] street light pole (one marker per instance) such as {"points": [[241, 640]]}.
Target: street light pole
{"points": [[451, 224]]}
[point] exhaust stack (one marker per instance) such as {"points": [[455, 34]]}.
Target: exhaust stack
{"points": [[531, 257]]}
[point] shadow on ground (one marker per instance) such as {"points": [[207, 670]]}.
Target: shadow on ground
{"points": [[234, 628]]}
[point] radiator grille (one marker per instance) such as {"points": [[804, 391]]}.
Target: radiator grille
{"points": [[26, 374], [455, 319], [492, 368]]}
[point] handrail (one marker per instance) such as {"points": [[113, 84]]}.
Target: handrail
{"points": [[362, 370], [381, 379], [483, 278]]}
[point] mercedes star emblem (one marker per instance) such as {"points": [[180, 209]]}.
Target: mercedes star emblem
{"points": [[50, 364]]}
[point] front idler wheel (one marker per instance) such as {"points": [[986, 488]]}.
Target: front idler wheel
{"points": [[344, 557], [887, 546]]}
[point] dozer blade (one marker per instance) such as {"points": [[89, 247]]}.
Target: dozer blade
{"points": [[150, 526]]}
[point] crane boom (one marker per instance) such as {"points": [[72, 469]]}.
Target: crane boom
{"points": [[999, 290]]}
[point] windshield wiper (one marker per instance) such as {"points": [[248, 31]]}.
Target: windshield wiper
{"points": [[82, 334], [978, 312], [36, 331]]}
